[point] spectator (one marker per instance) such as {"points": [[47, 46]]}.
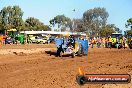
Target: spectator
{"points": [[3, 40], [110, 42], [103, 42], [92, 42], [124, 42], [98, 42], [106, 42]]}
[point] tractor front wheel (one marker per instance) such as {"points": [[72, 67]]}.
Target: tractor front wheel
{"points": [[73, 55]]}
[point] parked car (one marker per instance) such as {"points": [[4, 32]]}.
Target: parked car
{"points": [[41, 40]]}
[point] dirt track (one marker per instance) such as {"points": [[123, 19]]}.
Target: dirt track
{"points": [[40, 70]]}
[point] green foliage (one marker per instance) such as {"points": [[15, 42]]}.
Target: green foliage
{"points": [[61, 21], [95, 19], [34, 24], [107, 30], [11, 17], [79, 25], [129, 32], [129, 23]]}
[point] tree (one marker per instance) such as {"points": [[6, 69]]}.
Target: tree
{"points": [[34, 24], [95, 19], [1, 24], [78, 25], [129, 23], [116, 29], [11, 17], [107, 30], [129, 32], [61, 21]]}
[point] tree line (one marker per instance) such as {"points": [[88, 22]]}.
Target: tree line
{"points": [[11, 18], [129, 24], [93, 22]]}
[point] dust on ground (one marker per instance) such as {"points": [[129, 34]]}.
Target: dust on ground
{"points": [[28, 66]]}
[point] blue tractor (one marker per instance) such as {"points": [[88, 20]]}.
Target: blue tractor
{"points": [[71, 47]]}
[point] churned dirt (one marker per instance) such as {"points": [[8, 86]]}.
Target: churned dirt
{"points": [[29, 66]]}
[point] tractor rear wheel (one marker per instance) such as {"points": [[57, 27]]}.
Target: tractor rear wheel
{"points": [[79, 50]]}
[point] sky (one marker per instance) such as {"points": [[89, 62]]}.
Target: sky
{"points": [[119, 10]]}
